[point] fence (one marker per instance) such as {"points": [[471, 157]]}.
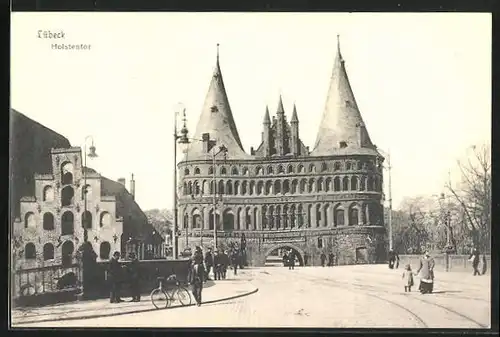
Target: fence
{"points": [[456, 263]]}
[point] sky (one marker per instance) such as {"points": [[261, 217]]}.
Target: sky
{"points": [[422, 83]]}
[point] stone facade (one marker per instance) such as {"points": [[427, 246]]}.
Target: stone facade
{"points": [[51, 222], [282, 194]]}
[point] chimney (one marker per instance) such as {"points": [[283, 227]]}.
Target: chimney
{"points": [[132, 186], [122, 181]]}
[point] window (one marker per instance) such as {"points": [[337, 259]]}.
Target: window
{"points": [[290, 169], [339, 217], [186, 171], [48, 193], [29, 251], [345, 184], [48, 221], [234, 171], [280, 169], [67, 252], [269, 170], [104, 250], [197, 170], [210, 170], [223, 171], [353, 217], [245, 171], [336, 166], [48, 252], [343, 145], [67, 223], [354, 183], [259, 171], [301, 169], [323, 167], [67, 173], [87, 220], [67, 195], [312, 168], [360, 165], [320, 243], [105, 219], [29, 220], [348, 166]]}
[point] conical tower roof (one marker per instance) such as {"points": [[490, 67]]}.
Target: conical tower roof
{"points": [[217, 119], [294, 114], [341, 121], [280, 109], [267, 119]]}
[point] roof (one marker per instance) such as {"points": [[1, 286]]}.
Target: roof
{"points": [[217, 119], [341, 120]]}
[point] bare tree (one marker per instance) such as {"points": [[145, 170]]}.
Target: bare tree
{"points": [[473, 193]]}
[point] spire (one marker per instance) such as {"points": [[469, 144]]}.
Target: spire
{"points": [[280, 109], [267, 120], [217, 119], [341, 121], [294, 119]]}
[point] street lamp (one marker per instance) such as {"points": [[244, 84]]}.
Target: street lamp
{"points": [[222, 149], [389, 167], [92, 154]]}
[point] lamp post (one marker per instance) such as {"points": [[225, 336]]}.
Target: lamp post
{"points": [[92, 154], [222, 149], [389, 218]]}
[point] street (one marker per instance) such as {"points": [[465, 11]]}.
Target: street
{"points": [[342, 297]]}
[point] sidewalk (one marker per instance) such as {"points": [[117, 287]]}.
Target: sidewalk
{"points": [[220, 291]]}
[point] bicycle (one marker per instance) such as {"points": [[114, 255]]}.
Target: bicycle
{"points": [[163, 296]]}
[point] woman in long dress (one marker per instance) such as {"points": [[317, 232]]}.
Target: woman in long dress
{"points": [[426, 273]]}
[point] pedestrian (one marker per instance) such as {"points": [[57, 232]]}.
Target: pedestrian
{"points": [[474, 257], [408, 278], [426, 273], [323, 259], [291, 260], [392, 259], [225, 263], [285, 259], [209, 262], [133, 270], [330, 259], [397, 259], [115, 275], [234, 261], [198, 275], [306, 259], [217, 265]]}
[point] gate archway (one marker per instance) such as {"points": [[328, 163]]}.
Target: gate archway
{"points": [[299, 253]]}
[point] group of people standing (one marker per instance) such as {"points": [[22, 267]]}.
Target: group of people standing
{"points": [[289, 259], [119, 273], [331, 259]]}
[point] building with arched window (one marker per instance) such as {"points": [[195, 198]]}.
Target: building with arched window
{"points": [[283, 192]]}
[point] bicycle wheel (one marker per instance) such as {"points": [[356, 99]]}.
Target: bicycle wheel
{"points": [[183, 296], [160, 298]]}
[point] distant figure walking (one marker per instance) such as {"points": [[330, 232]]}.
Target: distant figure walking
{"points": [[330, 259], [392, 259], [323, 259], [217, 265], [474, 257], [115, 278], [209, 262], [285, 259], [306, 259], [426, 273], [234, 261], [291, 260], [408, 278]]}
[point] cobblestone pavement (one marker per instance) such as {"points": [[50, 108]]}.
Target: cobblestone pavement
{"points": [[343, 297]]}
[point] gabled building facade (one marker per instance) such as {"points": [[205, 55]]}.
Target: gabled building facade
{"points": [[282, 194]]}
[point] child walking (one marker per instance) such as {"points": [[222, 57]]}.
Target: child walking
{"points": [[408, 278]]}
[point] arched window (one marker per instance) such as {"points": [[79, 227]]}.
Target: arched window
{"points": [[223, 170], [312, 168], [277, 187], [48, 251], [303, 186], [345, 184], [353, 216], [67, 173], [259, 171], [260, 187], [280, 169], [319, 187], [190, 188], [295, 185], [336, 166], [286, 187], [348, 165], [269, 185], [220, 188], [328, 183], [185, 221], [311, 186], [244, 186], [354, 183], [234, 171], [29, 251], [229, 187], [245, 171], [67, 252], [87, 189], [197, 170], [105, 219], [210, 170], [48, 221], [67, 194], [67, 223], [269, 170], [48, 193], [87, 220], [104, 250], [186, 171], [318, 215], [360, 165], [324, 168], [370, 184], [301, 169], [362, 184], [29, 220], [339, 217], [325, 215], [336, 184], [290, 169], [196, 218], [251, 188]]}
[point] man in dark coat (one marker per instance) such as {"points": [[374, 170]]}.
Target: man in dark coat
{"points": [[217, 266], [285, 259], [197, 274], [133, 270], [291, 260], [225, 263], [234, 261], [475, 261], [330, 259], [115, 275], [209, 262], [306, 259], [392, 259], [323, 259]]}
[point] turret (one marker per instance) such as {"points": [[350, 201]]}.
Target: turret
{"points": [[266, 134], [280, 129], [294, 137]]}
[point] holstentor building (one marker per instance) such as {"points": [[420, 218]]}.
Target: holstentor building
{"points": [[282, 194]]}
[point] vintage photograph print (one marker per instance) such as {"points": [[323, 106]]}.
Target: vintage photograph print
{"points": [[256, 170]]}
